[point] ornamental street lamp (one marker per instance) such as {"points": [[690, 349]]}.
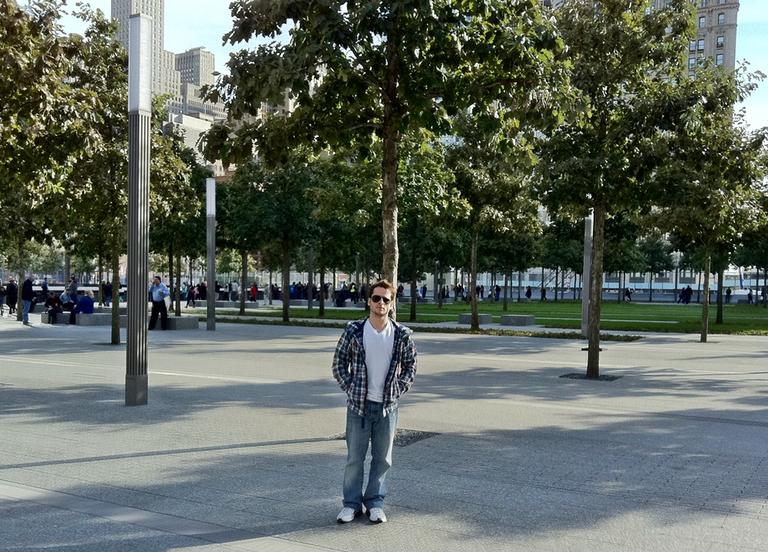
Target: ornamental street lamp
{"points": [[139, 115], [210, 209]]}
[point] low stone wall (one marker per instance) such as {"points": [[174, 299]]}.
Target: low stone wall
{"points": [[482, 318], [518, 320]]}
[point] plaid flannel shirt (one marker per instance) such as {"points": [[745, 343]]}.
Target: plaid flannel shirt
{"points": [[350, 371]]}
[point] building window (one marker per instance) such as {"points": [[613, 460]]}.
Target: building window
{"points": [[701, 45], [720, 42], [703, 3], [691, 62], [702, 22], [692, 46], [720, 2], [721, 19], [719, 59]]}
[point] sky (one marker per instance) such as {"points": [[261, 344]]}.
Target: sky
{"points": [[192, 23]]}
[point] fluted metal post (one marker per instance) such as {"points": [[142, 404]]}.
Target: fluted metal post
{"points": [[210, 201], [139, 115]]}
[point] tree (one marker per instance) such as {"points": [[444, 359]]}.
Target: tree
{"points": [[280, 207], [657, 257], [358, 70], [562, 246], [45, 120], [345, 200], [621, 57], [622, 253], [712, 198], [489, 179], [239, 224], [176, 197], [429, 200], [753, 250]]}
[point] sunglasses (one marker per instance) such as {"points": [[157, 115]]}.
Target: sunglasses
{"points": [[377, 298]]}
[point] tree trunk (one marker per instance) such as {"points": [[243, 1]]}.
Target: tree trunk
{"points": [[285, 292], [595, 293], [765, 288], [436, 282], [310, 279], [705, 302], [269, 289], [506, 292], [101, 280], [21, 278], [178, 284], [322, 291], [519, 285], [67, 267], [650, 289], [243, 279], [620, 286], [719, 318], [698, 287], [171, 273], [414, 277], [390, 139], [115, 296], [557, 279], [440, 290], [475, 325], [575, 284]]}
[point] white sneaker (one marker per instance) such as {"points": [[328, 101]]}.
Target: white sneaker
{"points": [[376, 515], [348, 514]]}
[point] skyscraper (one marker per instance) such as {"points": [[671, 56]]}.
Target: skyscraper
{"points": [[715, 33], [196, 66], [716, 22]]}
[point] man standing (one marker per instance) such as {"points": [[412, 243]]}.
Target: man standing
{"points": [[375, 364], [159, 292], [11, 296], [27, 295], [72, 288]]}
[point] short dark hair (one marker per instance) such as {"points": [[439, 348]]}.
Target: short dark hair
{"points": [[386, 284]]}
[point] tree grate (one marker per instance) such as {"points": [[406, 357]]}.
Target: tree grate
{"points": [[403, 437], [584, 377]]}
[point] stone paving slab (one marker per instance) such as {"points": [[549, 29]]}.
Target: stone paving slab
{"points": [[235, 450]]}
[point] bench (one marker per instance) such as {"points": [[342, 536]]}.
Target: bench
{"points": [[482, 318], [108, 310], [228, 304], [518, 320], [61, 318], [185, 322], [99, 319]]}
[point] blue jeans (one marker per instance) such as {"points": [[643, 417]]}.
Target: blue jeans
{"points": [[379, 430], [25, 311]]}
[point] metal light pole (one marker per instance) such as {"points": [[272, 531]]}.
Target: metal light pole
{"points": [[210, 209], [586, 275], [139, 113]]}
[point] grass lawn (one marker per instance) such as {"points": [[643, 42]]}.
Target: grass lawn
{"points": [[645, 317]]}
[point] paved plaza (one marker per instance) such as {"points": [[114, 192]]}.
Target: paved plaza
{"points": [[238, 448]]}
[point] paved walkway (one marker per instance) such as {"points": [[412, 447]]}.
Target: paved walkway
{"points": [[237, 449]]}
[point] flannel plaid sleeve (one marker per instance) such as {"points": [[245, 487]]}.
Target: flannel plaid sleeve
{"points": [[341, 361], [408, 365]]}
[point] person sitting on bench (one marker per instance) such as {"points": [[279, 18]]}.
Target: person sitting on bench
{"points": [[84, 305], [53, 307]]}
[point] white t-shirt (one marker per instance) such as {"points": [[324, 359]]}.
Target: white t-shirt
{"points": [[378, 354]]}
